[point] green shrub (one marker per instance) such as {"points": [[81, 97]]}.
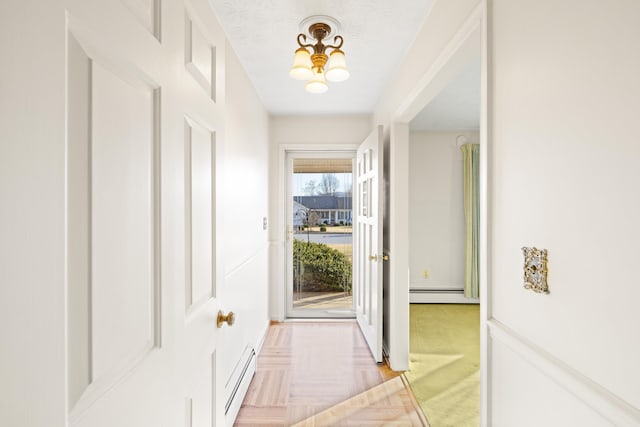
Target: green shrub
{"points": [[319, 268], [323, 228]]}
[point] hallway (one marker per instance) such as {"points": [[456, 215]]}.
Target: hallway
{"points": [[322, 374]]}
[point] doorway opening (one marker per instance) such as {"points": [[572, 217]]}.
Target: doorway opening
{"points": [[320, 234], [444, 247]]}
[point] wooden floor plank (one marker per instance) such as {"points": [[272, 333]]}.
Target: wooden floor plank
{"points": [[322, 374]]}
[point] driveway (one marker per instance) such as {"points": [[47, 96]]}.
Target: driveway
{"points": [[326, 238]]}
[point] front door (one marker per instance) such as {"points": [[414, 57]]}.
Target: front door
{"points": [[320, 234], [368, 248]]}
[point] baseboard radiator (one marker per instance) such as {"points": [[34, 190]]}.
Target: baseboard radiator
{"points": [[442, 296], [238, 384]]}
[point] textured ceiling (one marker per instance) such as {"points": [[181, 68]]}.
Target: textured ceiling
{"points": [[376, 35]]}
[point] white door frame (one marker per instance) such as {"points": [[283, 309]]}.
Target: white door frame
{"points": [[279, 290], [454, 54], [290, 155]]}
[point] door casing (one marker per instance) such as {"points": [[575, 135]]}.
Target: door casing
{"points": [[291, 155]]}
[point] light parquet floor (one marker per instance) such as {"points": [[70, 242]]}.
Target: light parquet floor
{"points": [[322, 374]]}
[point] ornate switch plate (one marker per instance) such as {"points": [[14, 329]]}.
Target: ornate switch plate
{"points": [[535, 269]]}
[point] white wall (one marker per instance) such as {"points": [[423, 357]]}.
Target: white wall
{"points": [[245, 204], [564, 175], [299, 132], [305, 130], [436, 210], [546, 405]]}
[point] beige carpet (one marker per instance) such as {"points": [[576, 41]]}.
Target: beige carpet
{"points": [[445, 361]]}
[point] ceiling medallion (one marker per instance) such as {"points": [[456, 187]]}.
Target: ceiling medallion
{"points": [[311, 62]]}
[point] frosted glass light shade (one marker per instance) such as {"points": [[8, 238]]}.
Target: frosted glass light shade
{"points": [[337, 68], [317, 84], [301, 68]]}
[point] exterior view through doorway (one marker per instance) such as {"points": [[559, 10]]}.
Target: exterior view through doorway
{"points": [[320, 234]]}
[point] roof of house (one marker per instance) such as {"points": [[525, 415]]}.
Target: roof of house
{"points": [[325, 202]]}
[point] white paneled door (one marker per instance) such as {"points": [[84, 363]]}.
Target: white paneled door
{"points": [[368, 253], [144, 115]]}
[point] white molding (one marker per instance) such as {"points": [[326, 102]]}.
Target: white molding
{"points": [[263, 338], [241, 385], [592, 394], [398, 294], [437, 75], [279, 286], [263, 248], [276, 310], [484, 282], [445, 296]]}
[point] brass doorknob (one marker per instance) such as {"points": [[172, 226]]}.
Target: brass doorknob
{"points": [[229, 318]]}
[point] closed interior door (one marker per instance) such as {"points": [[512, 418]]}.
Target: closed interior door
{"points": [[144, 122]]}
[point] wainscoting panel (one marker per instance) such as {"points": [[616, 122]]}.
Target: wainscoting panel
{"points": [[539, 388]]}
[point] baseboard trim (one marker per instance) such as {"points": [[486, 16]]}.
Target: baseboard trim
{"points": [[439, 296], [241, 384], [593, 395], [260, 344]]}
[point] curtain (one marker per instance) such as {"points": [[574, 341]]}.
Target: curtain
{"points": [[471, 166]]}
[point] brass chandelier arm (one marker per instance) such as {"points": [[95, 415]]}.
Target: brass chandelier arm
{"points": [[302, 43], [319, 47], [337, 46]]}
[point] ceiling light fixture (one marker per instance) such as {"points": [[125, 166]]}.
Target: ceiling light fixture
{"points": [[311, 66]]}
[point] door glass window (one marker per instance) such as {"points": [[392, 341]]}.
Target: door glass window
{"points": [[322, 236]]}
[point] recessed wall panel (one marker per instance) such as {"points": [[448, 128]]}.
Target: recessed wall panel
{"points": [[122, 220]]}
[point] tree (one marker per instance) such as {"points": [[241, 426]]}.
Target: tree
{"points": [[310, 188], [328, 184], [347, 184], [312, 218]]}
